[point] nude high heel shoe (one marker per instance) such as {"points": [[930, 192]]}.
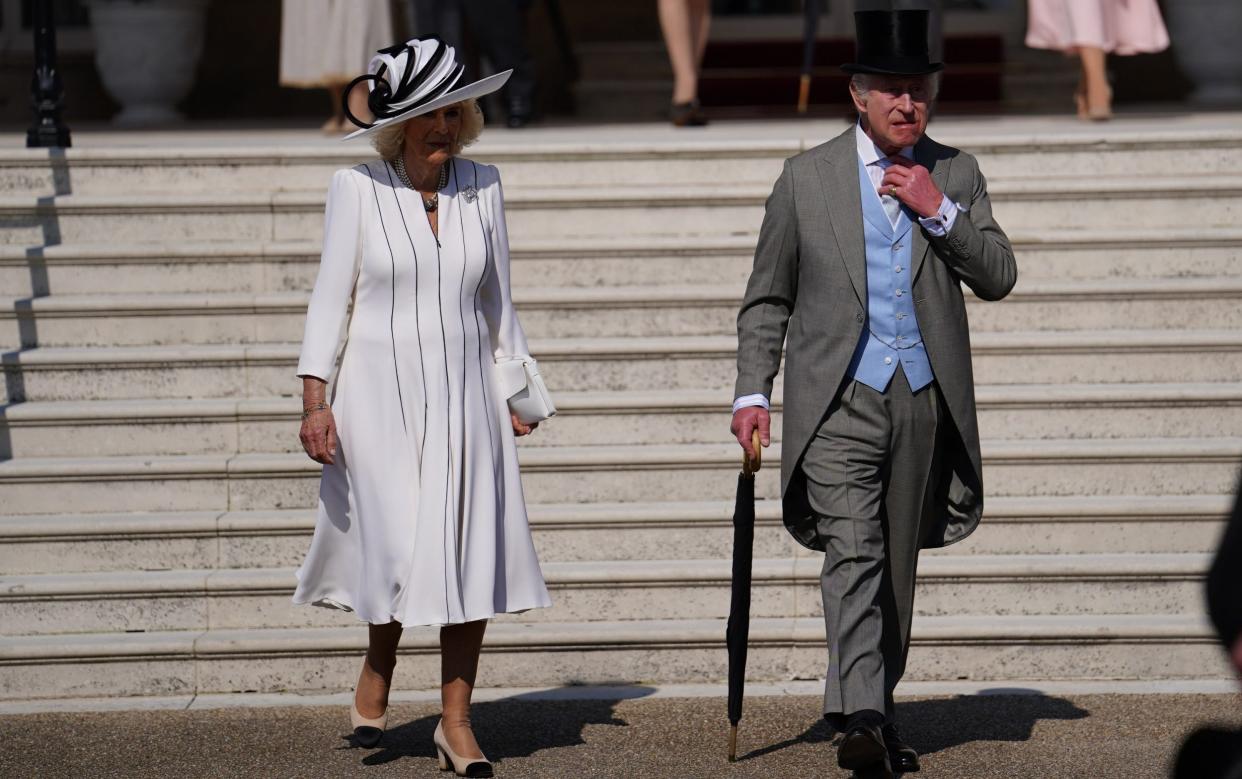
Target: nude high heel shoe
{"points": [[1101, 113], [461, 766], [1099, 109], [367, 731]]}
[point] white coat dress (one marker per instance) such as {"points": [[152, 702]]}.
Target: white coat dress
{"points": [[421, 516]]}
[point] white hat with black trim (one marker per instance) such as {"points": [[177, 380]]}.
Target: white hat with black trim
{"points": [[414, 78]]}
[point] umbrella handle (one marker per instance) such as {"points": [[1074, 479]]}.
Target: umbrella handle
{"points": [[804, 93], [751, 467]]}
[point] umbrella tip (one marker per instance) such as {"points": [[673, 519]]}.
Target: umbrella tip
{"points": [[733, 743]]}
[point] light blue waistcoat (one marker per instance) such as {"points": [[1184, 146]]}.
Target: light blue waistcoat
{"points": [[891, 333]]}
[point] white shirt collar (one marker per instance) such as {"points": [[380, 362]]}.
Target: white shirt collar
{"points": [[868, 152]]}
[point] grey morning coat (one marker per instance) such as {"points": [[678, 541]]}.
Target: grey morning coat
{"points": [[809, 284]]}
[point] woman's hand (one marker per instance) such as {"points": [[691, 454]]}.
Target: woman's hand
{"points": [[318, 427], [319, 436], [520, 429]]}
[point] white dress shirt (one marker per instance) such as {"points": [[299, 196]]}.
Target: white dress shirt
{"points": [[876, 163]]}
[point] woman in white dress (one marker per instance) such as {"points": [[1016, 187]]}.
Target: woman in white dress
{"points": [[421, 514], [323, 43]]}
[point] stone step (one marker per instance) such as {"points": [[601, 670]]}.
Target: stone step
{"points": [[299, 215], [104, 171], [312, 660], [1179, 466], [601, 213], [1003, 585], [227, 426], [722, 155], [599, 532], [140, 319], [260, 267], [613, 364]]}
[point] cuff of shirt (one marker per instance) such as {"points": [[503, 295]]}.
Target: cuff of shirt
{"points": [[942, 222], [746, 401]]}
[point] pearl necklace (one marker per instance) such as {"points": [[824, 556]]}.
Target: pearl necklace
{"points": [[429, 204]]}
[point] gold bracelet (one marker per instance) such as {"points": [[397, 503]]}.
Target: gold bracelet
{"points": [[308, 410]]}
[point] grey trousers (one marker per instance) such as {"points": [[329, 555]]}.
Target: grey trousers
{"points": [[870, 472]]}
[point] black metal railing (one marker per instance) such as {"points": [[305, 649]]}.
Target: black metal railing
{"points": [[47, 92]]}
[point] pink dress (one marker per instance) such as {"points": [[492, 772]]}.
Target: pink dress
{"points": [[1117, 26]]}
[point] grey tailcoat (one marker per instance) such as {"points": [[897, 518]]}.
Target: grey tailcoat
{"points": [[809, 283]]}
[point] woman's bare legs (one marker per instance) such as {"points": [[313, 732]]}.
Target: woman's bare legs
{"points": [[700, 26], [459, 663], [335, 122], [685, 24], [1080, 92], [1098, 96], [371, 694], [357, 105]]}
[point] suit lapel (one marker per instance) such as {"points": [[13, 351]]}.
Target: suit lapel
{"points": [[838, 175], [939, 168]]}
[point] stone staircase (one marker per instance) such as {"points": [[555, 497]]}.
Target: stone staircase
{"points": [[154, 502]]}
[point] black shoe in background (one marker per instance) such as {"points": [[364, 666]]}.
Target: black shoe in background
{"points": [[901, 755], [687, 115]]}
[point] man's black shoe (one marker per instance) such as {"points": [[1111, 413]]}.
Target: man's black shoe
{"points": [[862, 750], [900, 754]]}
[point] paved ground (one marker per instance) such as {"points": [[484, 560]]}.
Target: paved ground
{"points": [[975, 737]]}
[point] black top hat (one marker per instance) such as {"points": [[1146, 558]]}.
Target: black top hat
{"points": [[892, 43]]}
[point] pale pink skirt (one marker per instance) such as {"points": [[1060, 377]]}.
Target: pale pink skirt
{"points": [[1117, 26]]}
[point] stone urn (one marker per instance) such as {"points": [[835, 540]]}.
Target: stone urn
{"points": [[147, 53], [1205, 40]]}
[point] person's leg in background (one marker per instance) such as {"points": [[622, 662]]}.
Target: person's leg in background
{"points": [[685, 24], [700, 27], [1094, 96], [500, 30], [357, 106]]}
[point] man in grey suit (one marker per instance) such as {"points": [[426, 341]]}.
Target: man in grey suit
{"points": [[864, 246]]}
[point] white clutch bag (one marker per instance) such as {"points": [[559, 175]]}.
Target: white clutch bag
{"points": [[528, 396]]}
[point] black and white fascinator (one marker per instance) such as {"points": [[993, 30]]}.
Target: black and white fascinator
{"points": [[414, 78]]}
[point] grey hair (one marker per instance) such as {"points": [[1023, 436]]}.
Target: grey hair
{"points": [[389, 140], [863, 83]]}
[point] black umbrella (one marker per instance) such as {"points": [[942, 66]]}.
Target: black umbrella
{"points": [[738, 630], [810, 26]]}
